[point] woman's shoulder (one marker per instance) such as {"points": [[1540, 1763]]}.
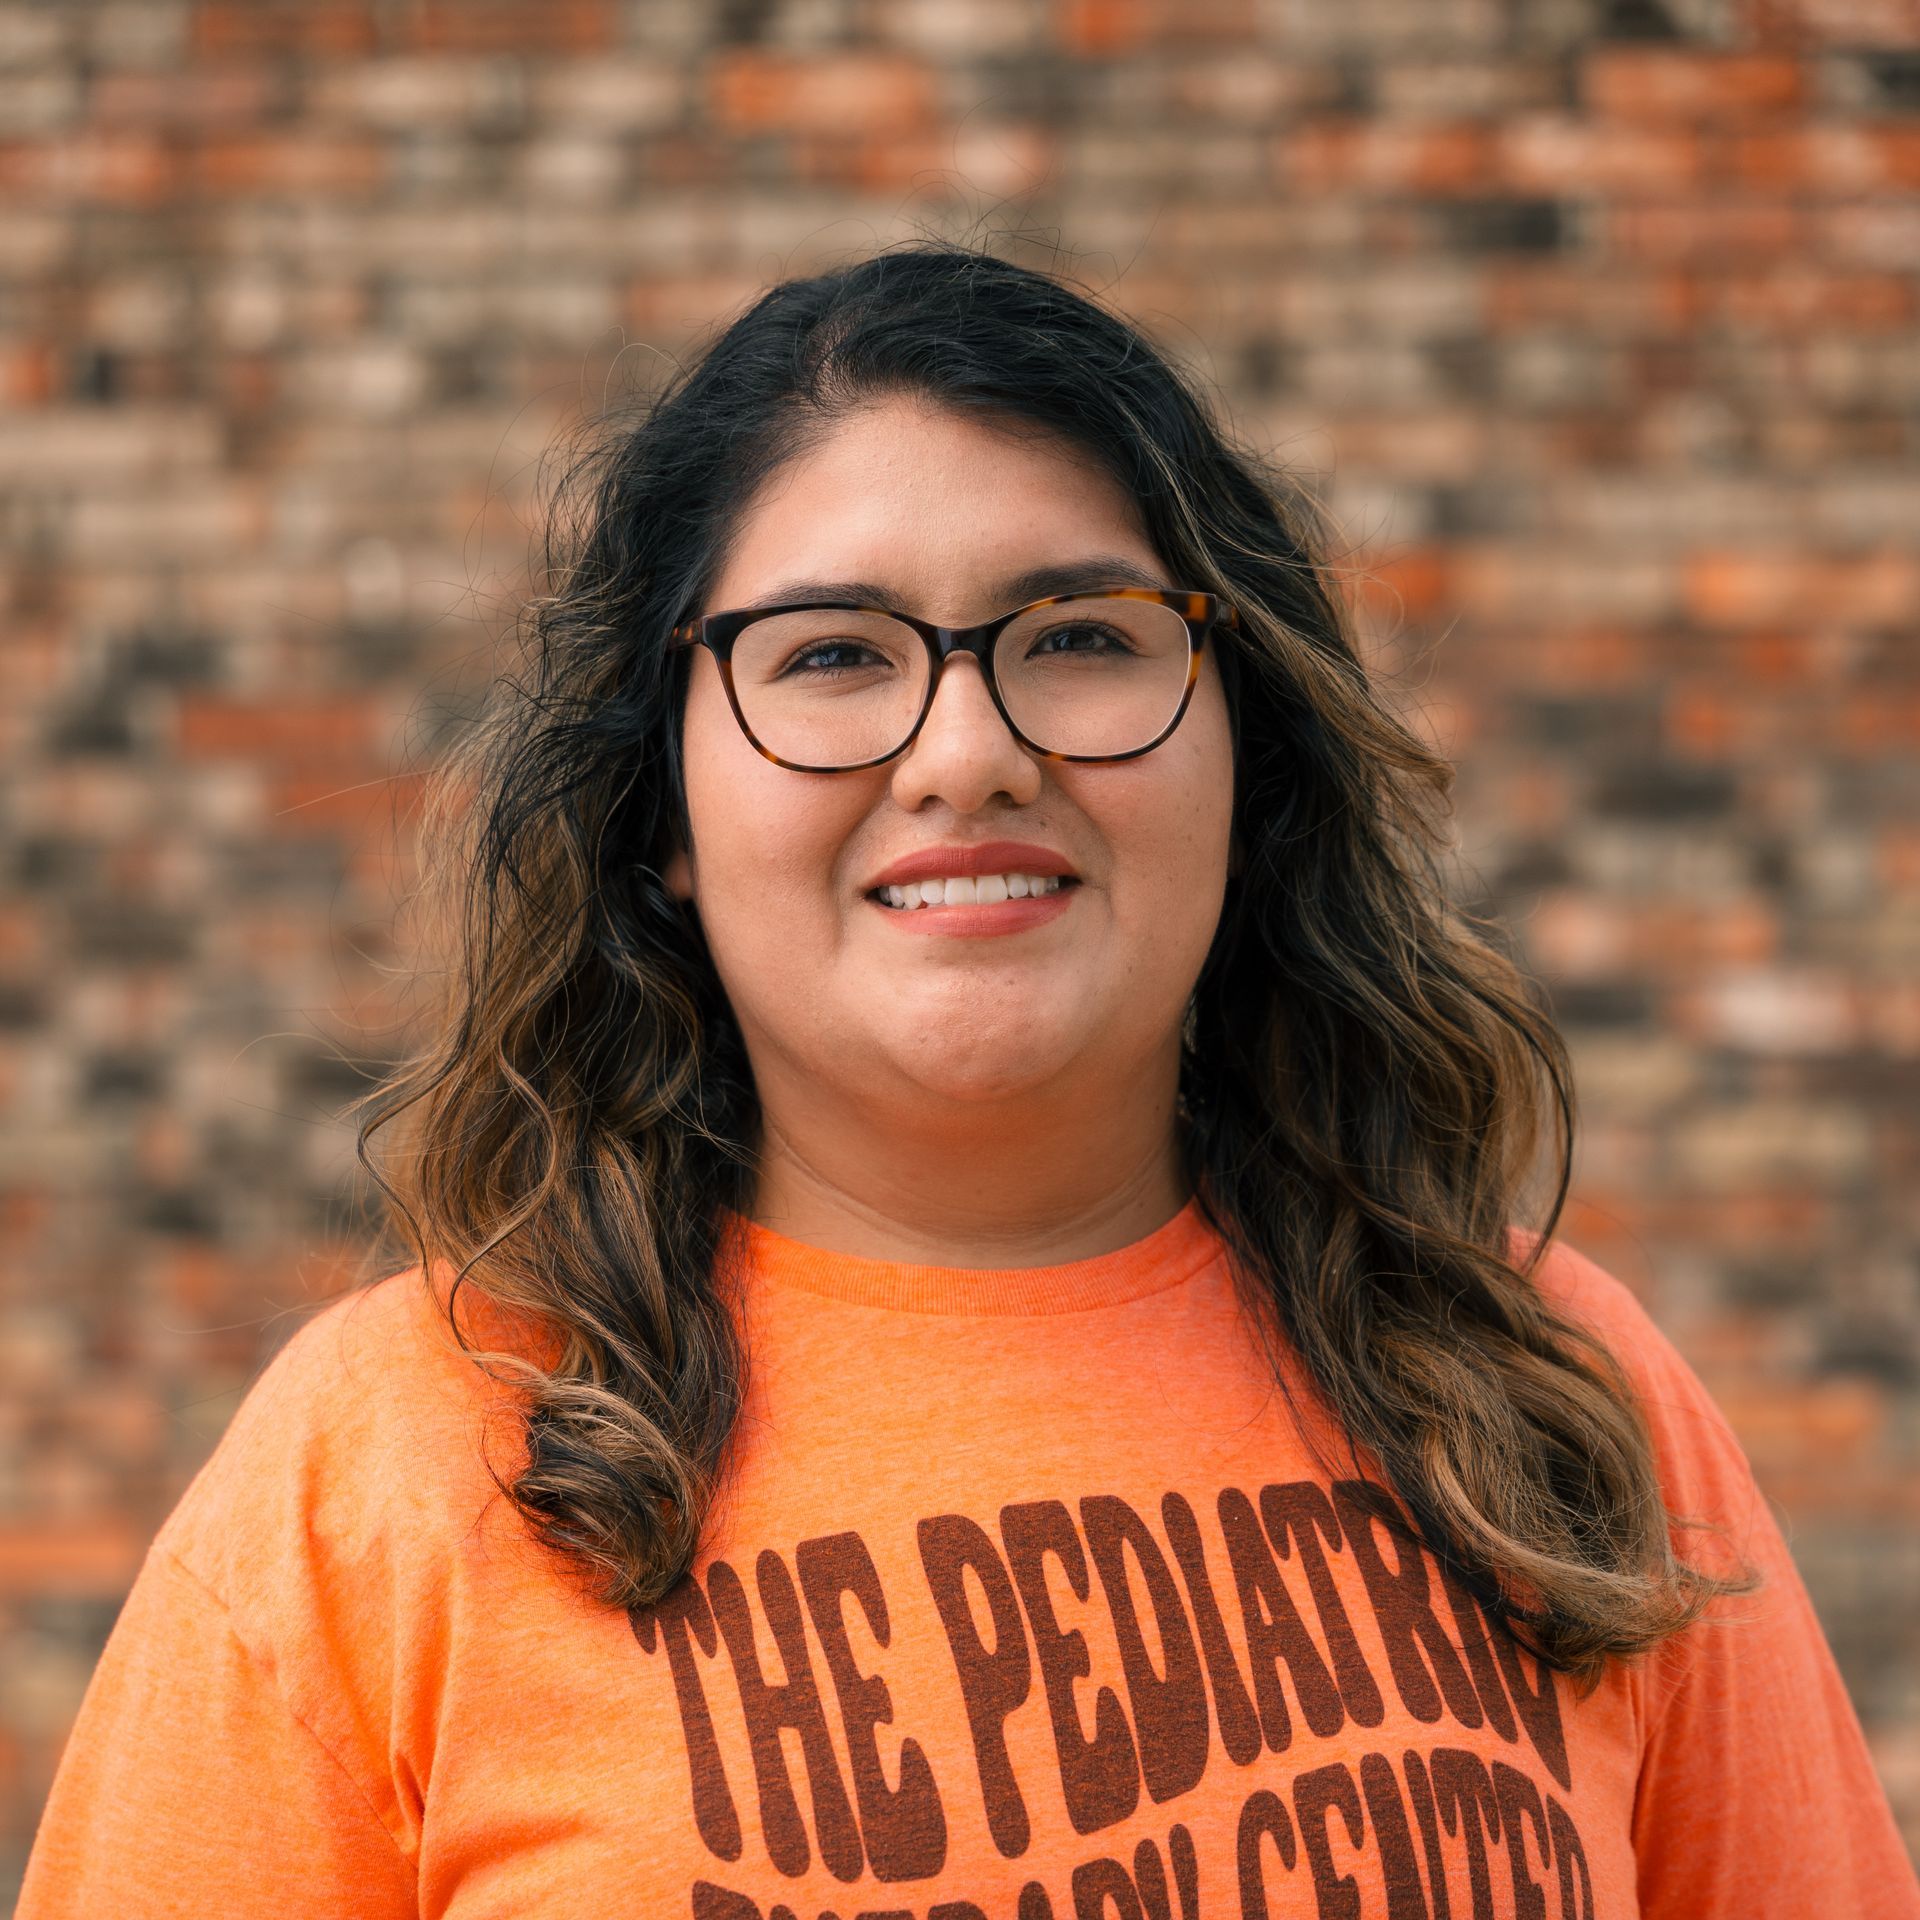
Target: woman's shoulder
{"points": [[363, 1443], [1579, 1285], [1703, 1470], [1582, 1290]]}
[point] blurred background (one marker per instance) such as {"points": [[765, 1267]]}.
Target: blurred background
{"points": [[1594, 322]]}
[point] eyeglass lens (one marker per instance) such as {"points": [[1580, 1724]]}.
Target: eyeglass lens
{"points": [[831, 688]]}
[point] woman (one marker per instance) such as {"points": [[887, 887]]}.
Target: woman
{"points": [[969, 1353]]}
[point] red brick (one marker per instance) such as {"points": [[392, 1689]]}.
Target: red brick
{"points": [[1661, 83], [1103, 26], [1688, 232], [1793, 298], [213, 726], [1331, 156], [303, 804], [195, 1281], [1897, 857], [327, 29], [382, 865], [1836, 1422], [1698, 721], [846, 95], [1846, 24], [1106, 29], [1578, 659], [114, 1420], [106, 169], [1880, 721], [68, 1557], [1674, 935], [23, 937], [1742, 589], [1558, 154], [287, 164], [1783, 663], [248, 383], [27, 373], [25, 1214], [35, 660], [687, 303], [699, 159], [1892, 1013], [13, 1770], [1778, 1220], [546, 28], [1825, 159], [1409, 585], [961, 161], [1247, 87], [1601, 300], [233, 95], [1897, 150]]}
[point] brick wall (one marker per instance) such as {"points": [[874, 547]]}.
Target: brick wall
{"points": [[1595, 319]]}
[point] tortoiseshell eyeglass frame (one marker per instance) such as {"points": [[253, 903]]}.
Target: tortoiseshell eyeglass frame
{"points": [[717, 632]]}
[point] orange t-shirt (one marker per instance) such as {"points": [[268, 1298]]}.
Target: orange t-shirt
{"points": [[1032, 1596]]}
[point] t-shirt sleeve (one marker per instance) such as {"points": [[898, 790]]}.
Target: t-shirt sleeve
{"points": [[1757, 1794], [189, 1786], [258, 1737]]}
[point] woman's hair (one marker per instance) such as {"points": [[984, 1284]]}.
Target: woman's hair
{"points": [[1366, 1084]]}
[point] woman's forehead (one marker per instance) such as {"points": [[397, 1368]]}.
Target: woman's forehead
{"points": [[915, 498]]}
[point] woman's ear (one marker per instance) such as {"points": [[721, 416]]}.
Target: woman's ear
{"points": [[678, 874]]}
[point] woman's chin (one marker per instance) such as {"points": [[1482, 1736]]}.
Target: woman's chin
{"points": [[981, 1074]]}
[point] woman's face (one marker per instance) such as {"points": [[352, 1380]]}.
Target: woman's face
{"points": [[857, 1006]]}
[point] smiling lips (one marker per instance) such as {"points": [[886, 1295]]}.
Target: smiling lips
{"points": [[968, 860], [995, 886], [961, 890]]}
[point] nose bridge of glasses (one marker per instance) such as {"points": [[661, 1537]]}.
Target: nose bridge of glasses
{"points": [[977, 641], [974, 641], [951, 642]]}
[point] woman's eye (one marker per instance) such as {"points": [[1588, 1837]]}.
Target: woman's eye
{"points": [[817, 658], [1084, 637]]}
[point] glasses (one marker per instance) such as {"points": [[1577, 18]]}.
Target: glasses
{"points": [[831, 686]]}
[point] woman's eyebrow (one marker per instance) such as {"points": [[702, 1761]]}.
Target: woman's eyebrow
{"points": [[1037, 583]]}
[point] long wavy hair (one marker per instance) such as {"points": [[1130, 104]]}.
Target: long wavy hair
{"points": [[1367, 1081]]}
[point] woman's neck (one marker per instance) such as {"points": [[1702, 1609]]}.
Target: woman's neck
{"points": [[1064, 1194]]}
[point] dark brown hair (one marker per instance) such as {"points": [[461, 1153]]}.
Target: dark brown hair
{"points": [[1368, 1085]]}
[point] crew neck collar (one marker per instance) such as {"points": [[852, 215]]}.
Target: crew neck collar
{"points": [[1173, 1252]]}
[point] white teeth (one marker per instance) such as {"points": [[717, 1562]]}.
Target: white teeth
{"points": [[962, 889]]}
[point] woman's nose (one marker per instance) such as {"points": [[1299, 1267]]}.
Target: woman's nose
{"points": [[964, 747]]}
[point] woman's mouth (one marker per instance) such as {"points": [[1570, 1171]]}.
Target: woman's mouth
{"points": [[967, 890], [976, 904]]}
